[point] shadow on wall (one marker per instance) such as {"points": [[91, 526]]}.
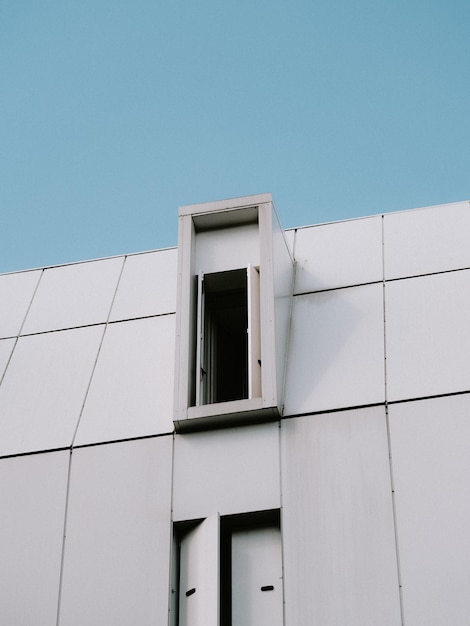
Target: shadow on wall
{"points": [[336, 353]]}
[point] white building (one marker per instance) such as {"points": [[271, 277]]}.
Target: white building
{"points": [[318, 474]]}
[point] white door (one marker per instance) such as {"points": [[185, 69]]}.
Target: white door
{"points": [[257, 577], [199, 575]]}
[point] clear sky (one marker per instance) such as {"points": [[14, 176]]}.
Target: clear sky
{"points": [[115, 112]]}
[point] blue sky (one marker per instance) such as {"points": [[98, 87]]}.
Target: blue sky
{"points": [[114, 113]]}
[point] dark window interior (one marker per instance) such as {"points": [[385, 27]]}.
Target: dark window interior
{"points": [[225, 360]]}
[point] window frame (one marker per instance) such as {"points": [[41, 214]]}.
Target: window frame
{"points": [[208, 354], [204, 231]]}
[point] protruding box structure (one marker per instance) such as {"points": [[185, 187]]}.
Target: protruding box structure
{"points": [[235, 283]]}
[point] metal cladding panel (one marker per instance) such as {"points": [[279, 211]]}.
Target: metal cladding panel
{"points": [[340, 562], [16, 293], [227, 249], [290, 238], [6, 347], [33, 494], [147, 286], [427, 240], [131, 394], [428, 335], [338, 255], [257, 597], [199, 575], [283, 286], [44, 387], [336, 354], [430, 443], [117, 551], [234, 470], [73, 295]]}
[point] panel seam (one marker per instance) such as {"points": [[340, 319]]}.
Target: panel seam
{"points": [[62, 558], [97, 354], [389, 442]]}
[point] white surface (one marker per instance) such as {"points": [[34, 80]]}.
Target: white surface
{"points": [[6, 346], [231, 250], [199, 570], [16, 293], [256, 563], [428, 335], [200, 383], [290, 238], [116, 566], [254, 334], [131, 394], [147, 285], [74, 295], [230, 471], [427, 240], [32, 493], [227, 249], [283, 287], [431, 463], [337, 520], [339, 255], [336, 355], [224, 205], [44, 388], [186, 304]]}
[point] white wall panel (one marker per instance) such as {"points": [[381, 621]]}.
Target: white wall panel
{"points": [[16, 293], [339, 255], [227, 249], [74, 295], [283, 283], [428, 335], [117, 553], [199, 573], [257, 563], [338, 535], [147, 286], [44, 388], [336, 355], [226, 471], [131, 393], [32, 496], [6, 346], [427, 240], [290, 238], [431, 463]]}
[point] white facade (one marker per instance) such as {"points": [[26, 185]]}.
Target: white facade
{"points": [[349, 507]]}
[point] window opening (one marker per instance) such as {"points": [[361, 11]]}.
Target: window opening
{"points": [[228, 347]]}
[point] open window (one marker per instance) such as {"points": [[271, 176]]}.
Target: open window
{"points": [[228, 571], [234, 295], [228, 346]]}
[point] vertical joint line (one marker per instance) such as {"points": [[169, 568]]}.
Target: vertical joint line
{"points": [[2, 376], [31, 302], [171, 617], [389, 442], [98, 354], [62, 556], [282, 391]]}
